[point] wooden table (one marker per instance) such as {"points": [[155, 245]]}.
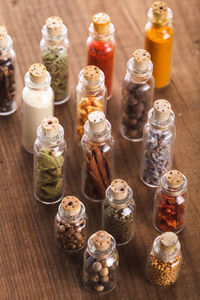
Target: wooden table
{"points": [[31, 267]]}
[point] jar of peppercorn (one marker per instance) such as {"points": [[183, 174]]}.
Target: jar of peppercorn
{"points": [[170, 202], [101, 47], [119, 210], [164, 260], [71, 225], [100, 263], [90, 96]]}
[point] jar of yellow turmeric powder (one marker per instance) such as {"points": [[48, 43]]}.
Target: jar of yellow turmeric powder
{"points": [[158, 41]]}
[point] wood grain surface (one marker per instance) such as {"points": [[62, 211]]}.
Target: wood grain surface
{"points": [[30, 265]]}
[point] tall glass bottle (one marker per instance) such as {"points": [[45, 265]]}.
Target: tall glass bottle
{"points": [[158, 41], [49, 162], [90, 96], [8, 104], [101, 47], [158, 142], [55, 55], [137, 95], [98, 157]]}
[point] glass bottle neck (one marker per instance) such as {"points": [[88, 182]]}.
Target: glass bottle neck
{"points": [[92, 86], [136, 75], [54, 39], [173, 191], [160, 23], [155, 124], [163, 255], [53, 141], [119, 203], [37, 86], [101, 37], [72, 219], [7, 48], [98, 137], [101, 254]]}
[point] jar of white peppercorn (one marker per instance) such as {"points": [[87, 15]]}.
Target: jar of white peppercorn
{"points": [[100, 264], [137, 95], [158, 141], [71, 225], [164, 260], [119, 211]]}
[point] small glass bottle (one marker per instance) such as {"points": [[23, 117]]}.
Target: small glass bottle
{"points": [[158, 41], [158, 142], [71, 225], [90, 96], [170, 202], [55, 55], [100, 263], [49, 162], [37, 103], [119, 211], [164, 260], [98, 157], [8, 104], [101, 47], [137, 95]]}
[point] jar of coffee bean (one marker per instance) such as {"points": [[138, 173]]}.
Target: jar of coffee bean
{"points": [[100, 263], [71, 225], [137, 95]]}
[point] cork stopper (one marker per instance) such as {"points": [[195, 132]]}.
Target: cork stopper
{"points": [[91, 73], [37, 73], [101, 22], [174, 178], [162, 109], [159, 11], [101, 240], [71, 205], [3, 36], [168, 241], [119, 189], [50, 126], [97, 121], [141, 59], [54, 26]]}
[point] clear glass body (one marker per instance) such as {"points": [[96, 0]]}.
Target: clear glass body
{"points": [[170, 206], [118, 217], [71, 231], [97, 163], [8, 104], [104, 280], [101, 53], [49, 167], [158, 42], [137, 97], [90, 96], [162, 269], [55, 56], [157, 149]]}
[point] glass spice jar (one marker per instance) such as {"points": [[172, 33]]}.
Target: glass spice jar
{"points": [[8, 104], [137, 95], [119, 211], [71, 225], [101, 47], [98, 157], [164, 260], [90, 96], [100, 263], [54, 48], [158, 41], [170, 202], [158, 141], [49, 162]]}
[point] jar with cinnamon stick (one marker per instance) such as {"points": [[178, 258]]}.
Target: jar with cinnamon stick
{"points": [[100, 263], [98, 157], [90, 96], [170, 202]]}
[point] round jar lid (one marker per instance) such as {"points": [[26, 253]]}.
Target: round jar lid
{"points": [[54, 25], [101, 23], [168, 241], [3, 36], [50, 126], [119, 189], [97, 121], [71, 205], [160, 10], [101, 240], [174, 178], [141, 59], [162, 109], [37, 73], [91, 73]]}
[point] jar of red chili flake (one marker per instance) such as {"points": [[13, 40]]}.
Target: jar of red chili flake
{"points": [[101, 47], [170, 202]]}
